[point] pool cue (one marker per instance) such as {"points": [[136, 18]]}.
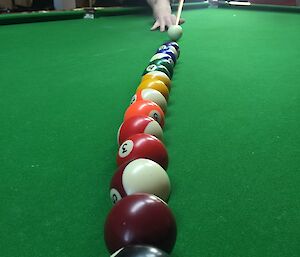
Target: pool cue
{"points": [[180, 6]]}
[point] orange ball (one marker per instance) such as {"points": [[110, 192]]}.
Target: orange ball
{"points": [[159, 76], [148, 108], [154, 84]]}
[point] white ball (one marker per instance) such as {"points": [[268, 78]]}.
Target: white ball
{"points": [[140, 176], [175, 32], [151, 95]]}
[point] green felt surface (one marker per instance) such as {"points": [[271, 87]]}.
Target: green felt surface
{"points": [[232, 131]]}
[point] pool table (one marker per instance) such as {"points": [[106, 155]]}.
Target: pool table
{"points": [[232, 129]]}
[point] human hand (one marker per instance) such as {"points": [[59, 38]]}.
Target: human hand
{"points": [[163, 14]]}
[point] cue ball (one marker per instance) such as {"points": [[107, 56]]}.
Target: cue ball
{"points": [[139, 251], [140, 176], [151, 95], [148, 108], [143, 146], [175, 32], [139, 124], [140, 219]]}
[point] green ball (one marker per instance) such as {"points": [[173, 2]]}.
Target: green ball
{"points": [[164, 62], [154, 67]]}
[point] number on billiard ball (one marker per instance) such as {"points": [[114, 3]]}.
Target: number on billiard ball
{"points": [[145, 107], [154, 67], [143, 146]]}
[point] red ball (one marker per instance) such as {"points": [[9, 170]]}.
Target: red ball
{"points": [[148, 108], [143, 146], [140, 219], [139, 124]]}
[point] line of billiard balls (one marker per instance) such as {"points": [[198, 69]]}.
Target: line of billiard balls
{"points": [[140, 222]]}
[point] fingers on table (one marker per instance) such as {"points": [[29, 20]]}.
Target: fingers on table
{"points": [[162, 23]]}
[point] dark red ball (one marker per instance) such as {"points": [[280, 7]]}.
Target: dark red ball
{"points": [[140, 219], [143, 146], [140, 251]]}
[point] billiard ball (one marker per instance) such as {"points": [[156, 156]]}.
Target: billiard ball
{"points": [[174, 44], [140, 219], [169, 48], [143, 146], [158, 75], [151, 95], [148, 108], [170, 53], [139, 124], [175, 32], [155, 84], [164, 62], [154, 67], [140, 176], [139, 251], [158, 56]]}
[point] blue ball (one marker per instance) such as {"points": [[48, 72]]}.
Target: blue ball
{"points": [[169, 48], [175, 45], [170, 53], [159, 56], [172, 43]]}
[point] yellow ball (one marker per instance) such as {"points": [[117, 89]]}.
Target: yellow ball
{"points": [[154, 84], [158, 75]]}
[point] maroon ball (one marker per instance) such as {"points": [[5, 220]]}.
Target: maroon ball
{"points": [[143, 146], [140, 219], [139, 124]]}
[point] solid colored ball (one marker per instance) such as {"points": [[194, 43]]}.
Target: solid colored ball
{"points": [[140, 219], [139, 124], [159, 56], [140, 176], [154, 67], [151, 95], [158, 75], [140, 251], [148, 108], [143, 146], [155, 84], [175, 32]]}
